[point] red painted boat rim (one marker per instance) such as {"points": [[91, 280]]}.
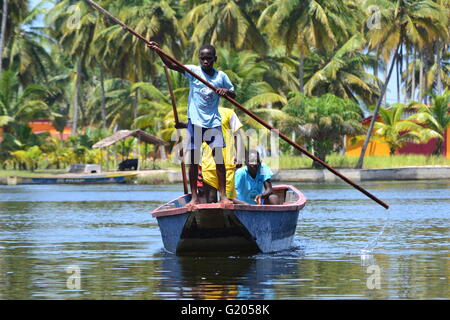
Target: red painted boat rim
{"points": [[299, 204]]}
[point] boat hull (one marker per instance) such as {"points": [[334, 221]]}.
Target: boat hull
{"points": [[77, 179], [217, 228]]}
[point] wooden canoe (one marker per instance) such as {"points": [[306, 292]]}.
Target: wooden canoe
{"points": [[233, 228], [94, 178]]}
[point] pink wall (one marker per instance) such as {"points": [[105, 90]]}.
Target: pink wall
{"points": [[423, 148]]}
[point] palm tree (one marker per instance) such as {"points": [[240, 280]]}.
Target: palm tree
{"points": [[56, 152], [415, 22], [281, 70], [29, 157], [11, 13], [342, 73], [323, 121], [126, 56], [246, 72], [28, 50], [438, 76], [303, 25], [123, 56], [119, 103], [436, 117], [3, 31], [18, 106], [155, 111], [396, 132], [226, 23], [75, 31]]}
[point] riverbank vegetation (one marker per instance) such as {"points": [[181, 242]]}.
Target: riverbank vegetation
{"points": [[370, 162], [284, 162], [313, 69]]}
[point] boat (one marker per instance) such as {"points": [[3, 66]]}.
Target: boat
{"points": [[93, 178], [212, 228]]}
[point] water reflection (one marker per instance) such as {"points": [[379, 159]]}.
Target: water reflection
{"points": [[107, 231], [234, 277]]}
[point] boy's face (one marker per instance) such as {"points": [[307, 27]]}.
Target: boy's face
{"points": [[207, 59]]}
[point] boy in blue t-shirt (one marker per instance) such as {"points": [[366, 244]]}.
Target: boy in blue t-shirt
{"points": [[250, 181], [204, 121]]}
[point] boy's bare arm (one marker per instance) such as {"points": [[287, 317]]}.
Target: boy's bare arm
{"points": [[181, 125], [267, 193], [165, 60], [225, 92]]}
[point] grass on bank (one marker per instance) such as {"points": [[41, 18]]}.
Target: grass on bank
{"points": [[35, 173], [293, 162], [370, 162]]}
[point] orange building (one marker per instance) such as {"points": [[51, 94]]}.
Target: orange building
{"points": [[376, 148], [40, 126]]}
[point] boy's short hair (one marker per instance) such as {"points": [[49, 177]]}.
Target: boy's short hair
{"points": [[209, 47]]}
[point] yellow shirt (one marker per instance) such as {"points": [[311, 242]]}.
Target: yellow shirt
{"points": [[230, 125]]}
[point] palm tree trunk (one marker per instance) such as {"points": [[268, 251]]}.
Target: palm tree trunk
{"points": [[425, 76], [421, 77], [3, 32], [136, 97], [301, 72], [76, 99], [392, 152], [438, 69], [438, 150], [135, 103], [398, 78], [377, 109], [385, 79], [102, 88], [376, 67], [413, 80], [406, 75]]}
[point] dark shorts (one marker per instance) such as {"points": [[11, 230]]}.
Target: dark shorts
{"points": [[212, 136]]}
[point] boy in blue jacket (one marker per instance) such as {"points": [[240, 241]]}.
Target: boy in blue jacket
{"points": [[204, 121]]}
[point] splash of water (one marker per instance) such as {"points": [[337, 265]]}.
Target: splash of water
{"points": [[371, 245]]}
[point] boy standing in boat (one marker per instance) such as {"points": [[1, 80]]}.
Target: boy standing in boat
{"points": [[204, 120], [233, 155], [251, 180], [231, 130]]}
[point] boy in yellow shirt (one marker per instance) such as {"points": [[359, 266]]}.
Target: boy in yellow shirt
{"points": [[233, 154]]}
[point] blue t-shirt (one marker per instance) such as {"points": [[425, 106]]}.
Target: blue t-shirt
{"points": [[248, 188], [203, 103]]}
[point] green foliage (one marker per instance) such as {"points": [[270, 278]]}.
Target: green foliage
{"points": [[397, 132], [371, 162], [323, 121], [436, 117], [81, 69], [29, 157]]}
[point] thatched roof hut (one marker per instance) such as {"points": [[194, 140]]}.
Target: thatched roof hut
{"points": [[123, 134], [140, 135]]}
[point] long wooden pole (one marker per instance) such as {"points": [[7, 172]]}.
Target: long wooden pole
{"points": [[249, 113], [180, 138]]}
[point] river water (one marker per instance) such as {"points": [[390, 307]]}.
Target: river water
{"points": [[101, 242]]}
